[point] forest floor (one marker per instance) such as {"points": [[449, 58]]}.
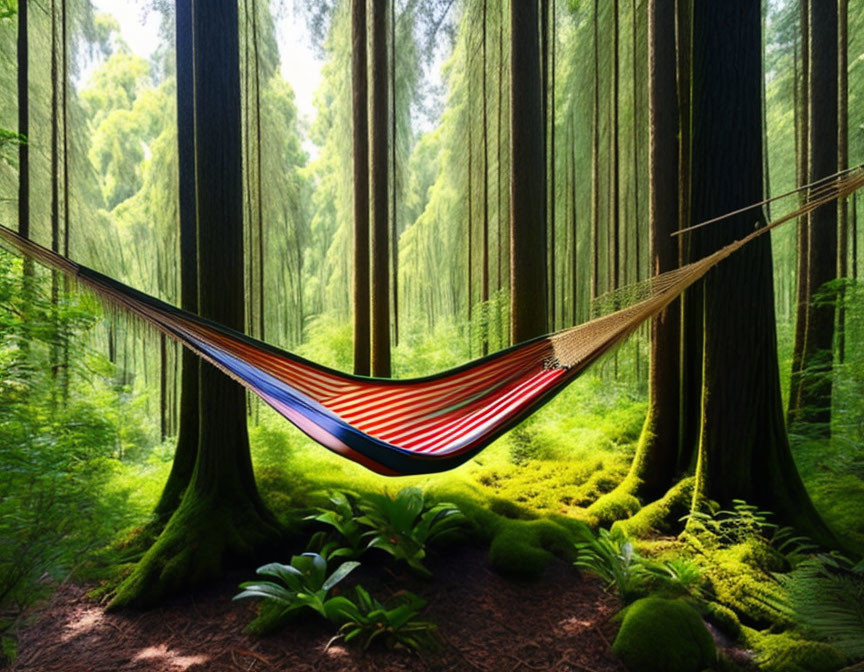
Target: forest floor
{"points": [[486, 624]]}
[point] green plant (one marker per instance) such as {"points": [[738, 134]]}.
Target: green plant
{"points": [[824, 595], [403, 525], [304, 583], [611, 557], [725, 528], [398, 626], [678, 576], [342, 518]]}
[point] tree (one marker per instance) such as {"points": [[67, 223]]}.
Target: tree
{"points": [[842, 164], [380, 245], [743, 448], [654, 465], [221, 515], [814, 400], [187, 436], [527, 221], [359, 76], [802, 292], [23, 124]]}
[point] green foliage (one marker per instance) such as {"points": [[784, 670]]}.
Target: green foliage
{"points": [[61, 434], [824, 596], [342, 517], [304, 584], [788, 652], [660, 635], [611, 557], [403, 525], [368, 621]]}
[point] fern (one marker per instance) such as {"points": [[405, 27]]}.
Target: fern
{"points": [[825, 596]]}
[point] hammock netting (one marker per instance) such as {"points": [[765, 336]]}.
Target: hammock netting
{"points": [[421, 425]]}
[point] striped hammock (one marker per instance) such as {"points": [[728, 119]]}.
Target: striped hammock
{"points": [[416, 426]]}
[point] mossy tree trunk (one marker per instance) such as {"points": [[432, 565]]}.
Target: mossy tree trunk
{"points": [[743, 449], [221, 517], [187, 436], [527, 184], [654, 466]]}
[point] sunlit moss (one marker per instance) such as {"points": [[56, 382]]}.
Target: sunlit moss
{"points": [[787, 652]]}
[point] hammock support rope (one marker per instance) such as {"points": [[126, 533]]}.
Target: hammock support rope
{"points": [[421, 425]]}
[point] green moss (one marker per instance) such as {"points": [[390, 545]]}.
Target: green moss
{"points": [[721, 617], [786, 652], [742, 586], [522, 549], [202, 534], [616, 505], [662, 516], [659, 635]]}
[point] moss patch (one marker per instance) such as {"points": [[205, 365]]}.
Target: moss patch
{"points": [[786, 652], [662, 516], [659, 635]]}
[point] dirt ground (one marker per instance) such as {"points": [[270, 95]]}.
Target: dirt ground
{"points": [[486, 623]]}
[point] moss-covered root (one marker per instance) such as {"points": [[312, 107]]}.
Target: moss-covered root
{"points": [[662, 516], [785, 652], [203, 534], [617, 505], [659, 635]]}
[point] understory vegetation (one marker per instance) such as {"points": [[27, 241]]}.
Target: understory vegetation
{"points": [[80, 484]]}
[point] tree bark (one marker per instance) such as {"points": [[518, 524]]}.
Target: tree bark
{"points": [[654, 466], [816, 366], [23, 125], [221, 516], [842, 164], [359, 78], [187, 433], [595, 164], [688, 248], [802, 290], [484, 271], [527, 192], [743, 449], [380, 250]]}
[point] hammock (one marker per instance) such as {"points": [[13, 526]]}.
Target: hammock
{"points": [[416, 426]]}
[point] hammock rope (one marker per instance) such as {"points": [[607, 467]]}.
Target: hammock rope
{"points": [[421, 425]]}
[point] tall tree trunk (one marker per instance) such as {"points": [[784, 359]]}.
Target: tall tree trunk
{"points": [[842, 164], [802, 290], [259, 181], [595, 164], [221, 516], [394, 223], [64, 365], [614, 200], [484, 271], [551, 180], [23, 49], [469, 195], [527, 192], [55, 192], [817, 362], [743, 449], [359, 77], [688, 247], [187, 433], [380, 250], [23, 126], [654, 466]]}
